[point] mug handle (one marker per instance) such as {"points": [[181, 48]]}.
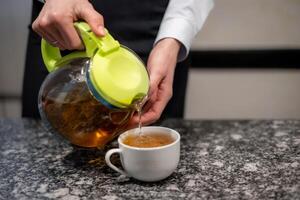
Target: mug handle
{"points": [[107, 160]]}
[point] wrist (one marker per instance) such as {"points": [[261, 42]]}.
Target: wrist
{"points": [[170, 43], [169, 46]]}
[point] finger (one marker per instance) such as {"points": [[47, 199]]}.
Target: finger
{"points": [[94, 19], [153, 108], [43, 27], [52, 39], [54, 33], [60, 40], [133, 123], [54, 25], [39, 30], [156, 106], [69, 35], [148, 117], [135, 119]]}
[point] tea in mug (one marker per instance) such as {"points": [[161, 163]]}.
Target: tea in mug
{"points": [[148, 140]]}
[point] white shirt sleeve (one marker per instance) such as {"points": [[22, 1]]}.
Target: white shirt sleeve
{"points": [[182, 20]]}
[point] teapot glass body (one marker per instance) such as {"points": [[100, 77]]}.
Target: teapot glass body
{"points": [[90, 95], [69, 109]]}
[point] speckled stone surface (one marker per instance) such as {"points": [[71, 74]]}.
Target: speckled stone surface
{"points": [[219, 160]]}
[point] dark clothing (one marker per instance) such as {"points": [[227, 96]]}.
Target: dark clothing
{"points": [[35, 71], [133, 23]]}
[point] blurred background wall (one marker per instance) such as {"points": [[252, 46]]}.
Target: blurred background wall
{"points": [[243, 92], [14, 17], [248, 91]]}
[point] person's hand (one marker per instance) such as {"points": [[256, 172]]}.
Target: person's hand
{"points": [[161, 67], [55, 22]]}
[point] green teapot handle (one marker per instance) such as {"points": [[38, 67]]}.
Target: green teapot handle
{"points": [[93, 44]]}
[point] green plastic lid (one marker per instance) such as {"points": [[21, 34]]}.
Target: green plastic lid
{"points": [[120, 77]]}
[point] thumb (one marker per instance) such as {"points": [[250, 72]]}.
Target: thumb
{"points": [[94, 19]]}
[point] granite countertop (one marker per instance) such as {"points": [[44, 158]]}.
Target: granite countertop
{"points": [[219, 160]]}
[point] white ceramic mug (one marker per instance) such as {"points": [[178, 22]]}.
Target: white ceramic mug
{"points": [[147, 164]]}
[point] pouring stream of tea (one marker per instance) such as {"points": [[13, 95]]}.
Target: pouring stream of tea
{"points": [[139, 108]]}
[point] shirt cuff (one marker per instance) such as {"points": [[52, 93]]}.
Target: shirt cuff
{"points": [[179, 29]]}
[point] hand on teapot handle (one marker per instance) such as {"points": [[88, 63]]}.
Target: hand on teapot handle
{"points": [[55, 22], [161, 67]]}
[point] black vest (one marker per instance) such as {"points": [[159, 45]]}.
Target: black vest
{"points": [[134, 23]]}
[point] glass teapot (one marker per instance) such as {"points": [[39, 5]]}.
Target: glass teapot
{"points": [[89, 96]]}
